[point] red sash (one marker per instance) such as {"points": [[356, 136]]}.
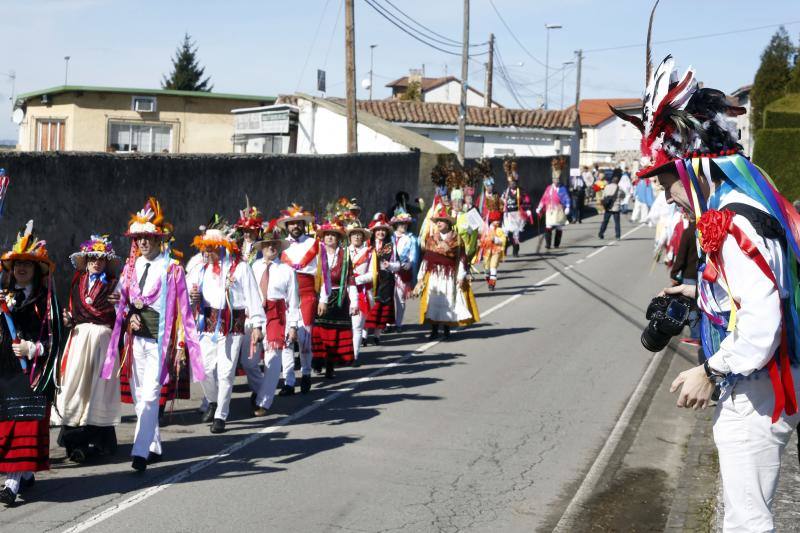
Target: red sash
{"points": [[309, 256], [308, 298], [276, 323]]}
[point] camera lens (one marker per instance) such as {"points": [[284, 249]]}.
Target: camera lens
{"points": [[653, 340]]}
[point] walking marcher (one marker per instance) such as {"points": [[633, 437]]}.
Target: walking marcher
{"points": [[444, 280], [577, 196], [88, 407], [461, 205], [492, 249], [333, 330], [277, 285], [361, 261], [29, 342], [611, 198], [626, 186], [588, 180], [556, 205], [226, 292], [302, 255], [156, 326], [643, 193], [382, 312], [516, 207], [746, 292], [406, 254]]}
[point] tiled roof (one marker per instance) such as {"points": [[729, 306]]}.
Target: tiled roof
{"points": [[426, 84], [595, 110]]}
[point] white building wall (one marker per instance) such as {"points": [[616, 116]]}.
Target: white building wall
{"points": [[611, 136], [496, 143], [745, 133], [450, 93]]}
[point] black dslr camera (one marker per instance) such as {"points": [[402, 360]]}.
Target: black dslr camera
{"points": [[667, 315]]}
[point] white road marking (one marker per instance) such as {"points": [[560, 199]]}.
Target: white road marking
{"points": [[596, 252], [210, 460]]}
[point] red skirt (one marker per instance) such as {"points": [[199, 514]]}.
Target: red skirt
{"points": [[333, 344], [25, 445], [308, 298], [381, 315]]}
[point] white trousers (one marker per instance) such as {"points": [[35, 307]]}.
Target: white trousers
{"points": [[13, 480], [639, 213], [219, 360], [750, 448], [272, 372], [359, 333], [399, 305], [146, 391], [250, 366]]}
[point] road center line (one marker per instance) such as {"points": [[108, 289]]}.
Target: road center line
{"points": [[210, 460]]}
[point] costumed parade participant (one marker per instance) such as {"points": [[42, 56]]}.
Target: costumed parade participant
{"points": [[333, 330], [360, 255], [155, 325], [556, 205], [384, 269], [249, 228], [277, 286], [302, 255], [86, 406], [746, 290], [468, 225], [443, 279], [516, 206], [226, 292], [406, 254], [29, 342], [492, 248], [643, 194]]}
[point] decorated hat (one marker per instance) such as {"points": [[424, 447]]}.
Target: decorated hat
{"points": [[28, 248], [149, 222], [216, 234], [679, 118], [495, 216], [442, 213], [457, 195], [330, 226], [273, 234], [401, 217], [379, 221], [250, 218], [354, 226], [294, 213], [97, 247]]}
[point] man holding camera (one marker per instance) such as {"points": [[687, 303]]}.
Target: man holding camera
{"points": [[745, 289]]}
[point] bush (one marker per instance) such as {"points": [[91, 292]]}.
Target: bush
{"points": [[776, 152], [783, 113]]}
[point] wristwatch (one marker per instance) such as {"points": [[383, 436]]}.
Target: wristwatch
{"points": [[717, 378]]}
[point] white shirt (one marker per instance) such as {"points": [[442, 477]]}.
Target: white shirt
{"points": [[243, 291], [362, 272], [282, 286], [758, 319], [155, 274], [296, 252]]}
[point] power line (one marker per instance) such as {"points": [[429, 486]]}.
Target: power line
{"points": [[694, 37], [313, 42], [333, 34], [452, 42], [410, 31], [506, 78], [513, 35]]}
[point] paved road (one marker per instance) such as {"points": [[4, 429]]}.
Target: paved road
{"points": [[491, 431]]}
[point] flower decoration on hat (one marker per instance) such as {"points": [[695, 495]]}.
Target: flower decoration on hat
{"points": [[28, 248], [442, 213], [215, 235], [250, 218], [149, 221], [330, 226], [354, 226], [294, 213], [97, 247], [401, 216], [379, 221]]}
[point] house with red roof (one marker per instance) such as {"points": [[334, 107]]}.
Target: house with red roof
{"points": [[607, 140]]}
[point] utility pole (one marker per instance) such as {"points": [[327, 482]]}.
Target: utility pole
{"points": [[66, 69], [563, 79], [547, 28], [350, 77], [575, 148], [489, 72], [371, 51], [462, 110]]}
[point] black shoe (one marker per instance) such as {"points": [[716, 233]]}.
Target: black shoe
{"points": [[305, 384], [79, 455], [208, 416], [434, 334], [329, 373], [253, 400], [376, 340], [600, 236], [7, 497], [447, 332], [28, 483], [317, 365], [286, 390], [515, 249], [153, 458], [281, 383], [139, 463], [218, 426], [356, 363]]}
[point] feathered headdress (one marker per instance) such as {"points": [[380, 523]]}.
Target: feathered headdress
{"points": [[149, 221], [98, 246], [28, 248], [679, 119], [250, 218], [510, 167], [295, 213], [216, 234]]}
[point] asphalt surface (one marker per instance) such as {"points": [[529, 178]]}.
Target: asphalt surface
{"points": [[490, 431]]}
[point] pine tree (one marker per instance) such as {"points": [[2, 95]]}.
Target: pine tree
{"points": [[772, 76], [794, 83], [187, 74]]}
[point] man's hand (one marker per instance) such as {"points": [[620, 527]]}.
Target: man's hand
{"points": [[322, 307], [690, 291], [697, 388], [194, 295], [256, 335], [66, 318], [24, 349], [136, 322]]}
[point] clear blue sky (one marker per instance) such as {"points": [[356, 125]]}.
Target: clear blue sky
{"points": [[260, 47]]}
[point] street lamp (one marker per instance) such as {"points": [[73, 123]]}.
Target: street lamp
{"points": [[371, 50], [548, 27], [66, 68], [563, 76]]}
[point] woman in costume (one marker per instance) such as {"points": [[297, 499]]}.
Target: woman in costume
{"points": [[88, 407], [406, 251], [29, 340], [384, 268], [556, 204], [492, 248], [359, 254], [516, 207], [443, 279], [332, 339]]}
